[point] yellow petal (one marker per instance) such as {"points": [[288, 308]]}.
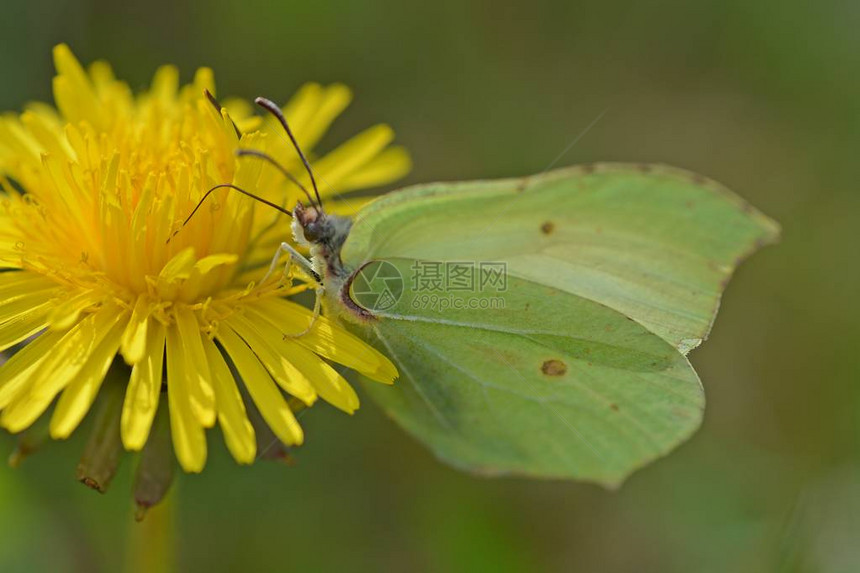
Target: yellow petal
{"points": [[330, 385], [66, 312], [238, 108], [134, 338], [189, 438], [51, 141], [165, 84], [23, 325], [350, 156], [204, 80], [81, 392], [178, 267], [346, 206], [269, 400], [59, 368], [10, 256], [282, 370], [242, 113], [144, 388], [299, 111], [237, 429], [23, 302], [325, 338], [102, 76], [17, 142], [298, 361], [73, 90], [16, 372], [388, 166], [195, 367], [206, 264], [333, 100]]}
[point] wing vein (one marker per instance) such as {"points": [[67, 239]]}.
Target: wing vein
{"points": [[430, 406], [483, 384]]}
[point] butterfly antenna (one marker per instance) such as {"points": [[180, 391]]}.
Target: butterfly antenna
{"points": [[218, 108], [234, 188], [271, 160], [272, 108]]}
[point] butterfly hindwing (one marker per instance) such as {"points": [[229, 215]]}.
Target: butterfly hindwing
{"points": [[530, 380]]}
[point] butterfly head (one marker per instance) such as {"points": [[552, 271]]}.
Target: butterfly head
{"points": [[310, 224]]}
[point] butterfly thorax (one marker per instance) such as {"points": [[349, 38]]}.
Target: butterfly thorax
{"points": [[325, 235]]}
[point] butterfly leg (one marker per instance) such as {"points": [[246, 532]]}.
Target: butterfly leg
{"points": [[294, 255], [318, 294], [306, 265]]}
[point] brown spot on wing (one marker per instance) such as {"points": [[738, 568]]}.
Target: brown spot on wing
{"points": [[554, 367], [547, 228]]}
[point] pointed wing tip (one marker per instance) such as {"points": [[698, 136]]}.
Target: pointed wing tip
{"points": [[772, 231]]}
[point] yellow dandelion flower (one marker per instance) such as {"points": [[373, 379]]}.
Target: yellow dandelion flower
{"points": [[93, 190]]}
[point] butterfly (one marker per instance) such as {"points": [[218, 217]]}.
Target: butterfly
{"points": [[540, 325]]}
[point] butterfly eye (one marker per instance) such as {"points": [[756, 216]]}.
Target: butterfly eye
{"points": [[312, 232]]}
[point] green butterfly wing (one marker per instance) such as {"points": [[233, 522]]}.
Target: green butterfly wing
{"points": [[534, 381], [655, 243], [573, 370]]}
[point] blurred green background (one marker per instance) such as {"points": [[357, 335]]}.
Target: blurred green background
{"points": [[763, 96]]}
